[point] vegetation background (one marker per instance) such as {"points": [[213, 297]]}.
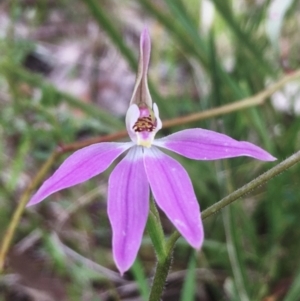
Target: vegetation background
{"points": [[67, 69]]}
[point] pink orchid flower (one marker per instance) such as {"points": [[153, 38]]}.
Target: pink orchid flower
{"points": [[146, 167]]}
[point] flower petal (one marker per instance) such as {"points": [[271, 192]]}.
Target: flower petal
{"points": [[203, 144], [141, 94], [174, 194], [145, 49], [128, 207], [132, 115], [158, 120], [79, 167]]}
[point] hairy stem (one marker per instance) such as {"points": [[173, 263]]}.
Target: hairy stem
{"points": [[159, 281], [156, 233], [271, 173], [163, 267]]}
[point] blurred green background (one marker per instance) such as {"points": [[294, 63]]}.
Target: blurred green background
{"points": [[67, 70]]}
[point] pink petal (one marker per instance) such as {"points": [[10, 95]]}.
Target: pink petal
{"points": [[145, 48], [173, 192], [132, 115], [203, 144], [158, 120], [79, 167], [128, 207], [141, 94]]}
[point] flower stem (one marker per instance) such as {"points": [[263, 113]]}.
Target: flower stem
{"points": [[156, 233], [163, 264], [172, 240], [161, 273], [271, 173]]}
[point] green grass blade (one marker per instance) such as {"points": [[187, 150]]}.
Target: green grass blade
{"points": [[140, 277], [294, 292], [104, 21], [189, 285], [234, 253], [244, 38], [21, 74], [191, 45]]}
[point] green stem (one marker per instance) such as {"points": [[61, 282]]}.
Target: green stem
{"points": [[172, 240], [156, 233], [161, 273], [271, 173], [163, 265]]}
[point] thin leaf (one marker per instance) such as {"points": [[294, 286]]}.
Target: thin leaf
{"points": [[140, 277], [189, 285]]}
